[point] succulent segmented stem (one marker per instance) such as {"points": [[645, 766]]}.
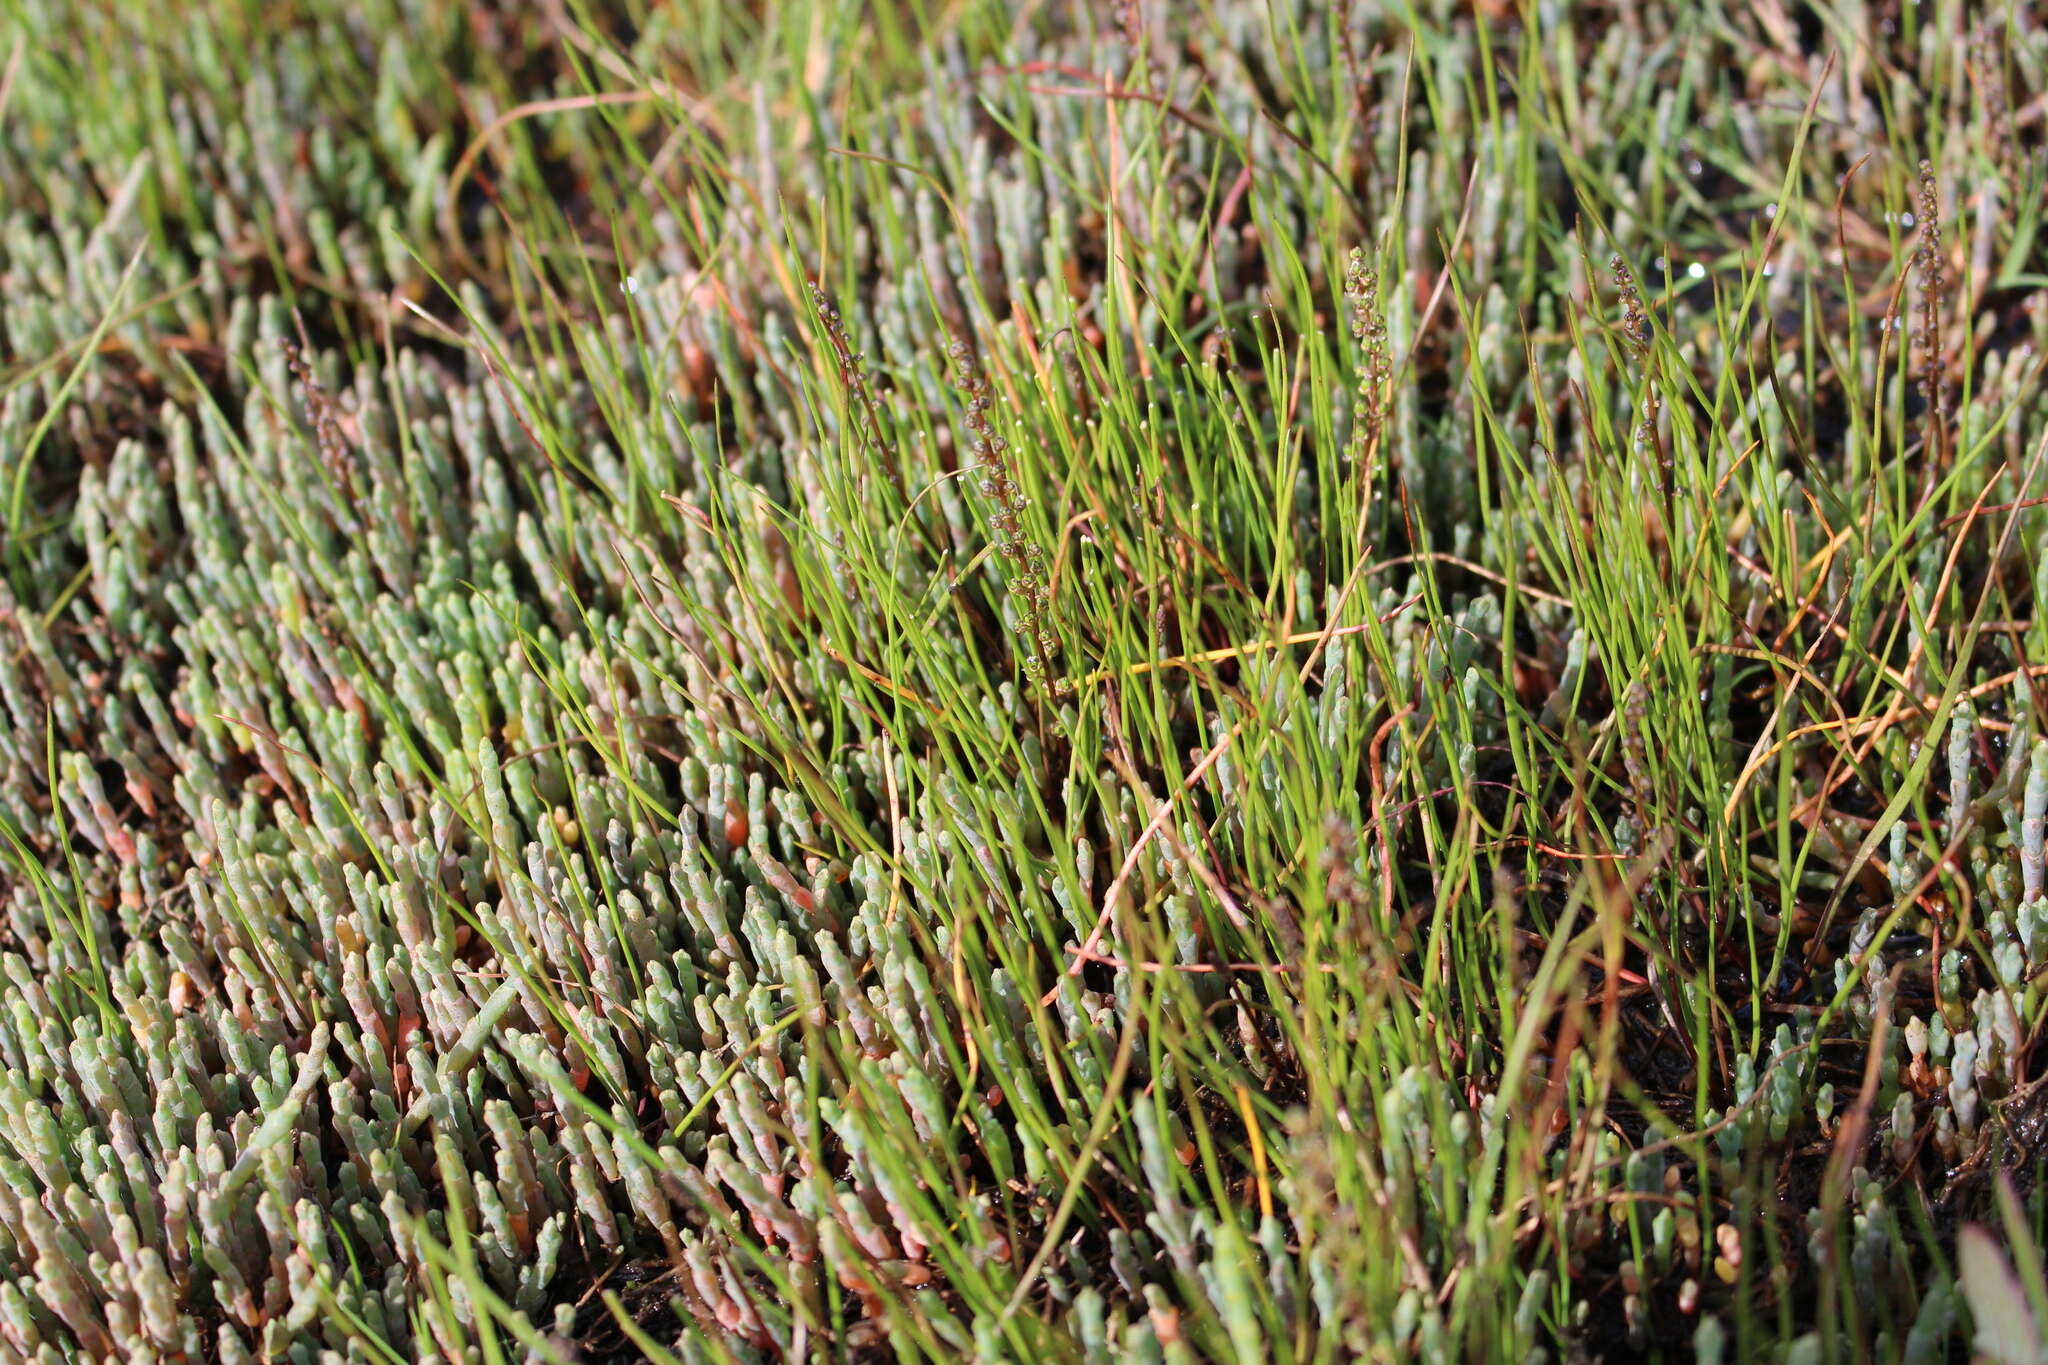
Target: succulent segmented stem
{"points": [[2034, 823]]}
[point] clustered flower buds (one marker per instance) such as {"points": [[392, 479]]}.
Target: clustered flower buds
{"points": [[1635, 319], [1030, 584], [1635, 329], [858, 393], [1928, 266], [322, 416], [1374, 367]]}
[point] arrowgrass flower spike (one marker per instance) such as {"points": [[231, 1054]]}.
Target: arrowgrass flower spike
{"points": [[1030, 584]]}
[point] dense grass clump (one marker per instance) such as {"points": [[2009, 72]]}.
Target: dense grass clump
{"points": [[1246, 681]]}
